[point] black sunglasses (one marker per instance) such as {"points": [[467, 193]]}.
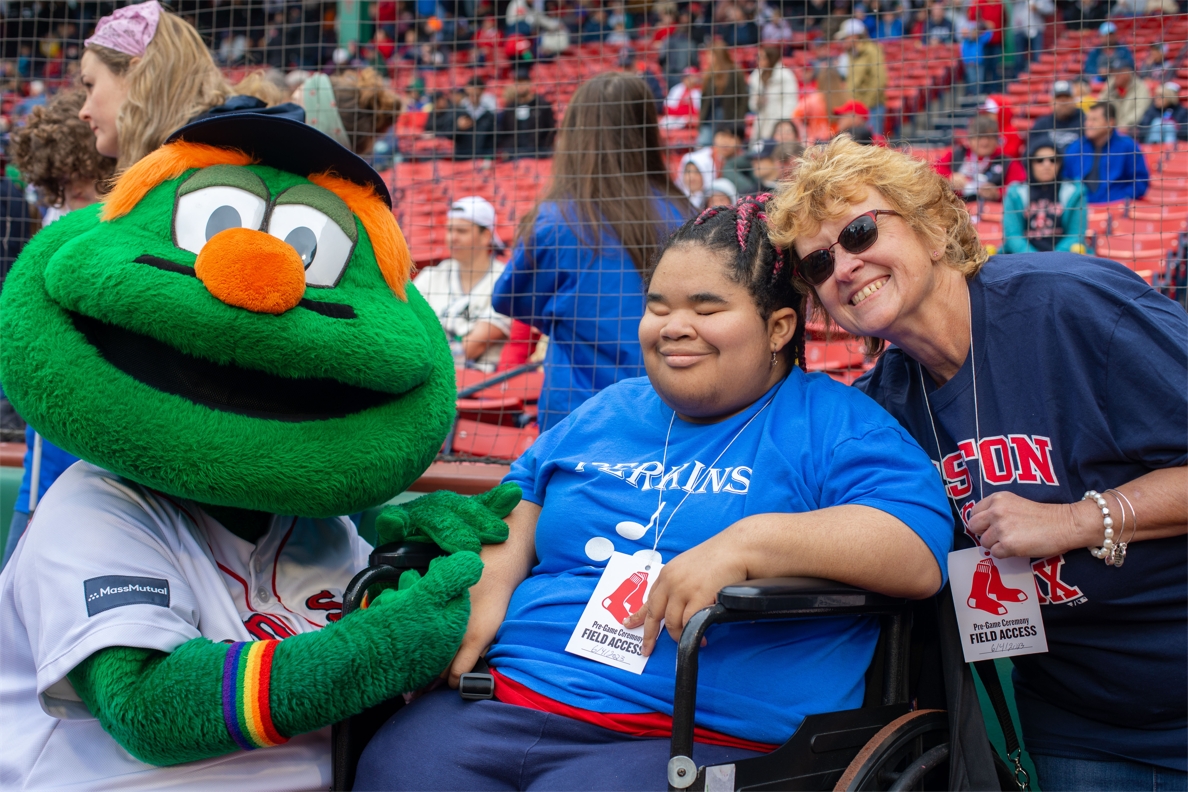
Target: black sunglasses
{"points": [[856, 237]]}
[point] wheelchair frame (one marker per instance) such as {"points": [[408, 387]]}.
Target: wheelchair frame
{"points": [[887, 746]]}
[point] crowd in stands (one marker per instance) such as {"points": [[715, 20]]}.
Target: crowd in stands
{"points": [[740, 88]]}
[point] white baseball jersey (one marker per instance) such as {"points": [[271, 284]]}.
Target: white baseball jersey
{"points": [[106, 562], [459, 311]]}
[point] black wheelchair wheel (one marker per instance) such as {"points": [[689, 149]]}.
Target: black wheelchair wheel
{"points": [[911, 752]]}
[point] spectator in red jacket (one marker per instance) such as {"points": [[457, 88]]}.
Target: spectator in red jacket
{"points": [[980, 169], [999, 106]]}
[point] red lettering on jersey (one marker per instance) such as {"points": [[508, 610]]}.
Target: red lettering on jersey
{"points": [[968, 452], [1047, 572], [325, 601], [1034, 456], [997, 466], [956, 476], [267, 628]]}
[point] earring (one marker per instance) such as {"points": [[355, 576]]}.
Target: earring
{"points": [[773, 358], [936, 254]]}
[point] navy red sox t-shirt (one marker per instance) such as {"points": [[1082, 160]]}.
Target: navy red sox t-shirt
{"points": [[1081, 383]]}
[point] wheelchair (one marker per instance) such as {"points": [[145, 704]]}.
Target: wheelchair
{"points": [[900, 739]]}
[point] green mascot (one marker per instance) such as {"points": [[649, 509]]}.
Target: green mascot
{"points": [[232, 345]]}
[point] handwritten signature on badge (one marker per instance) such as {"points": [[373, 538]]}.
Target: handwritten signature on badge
{"points": [[609, 654], [1005, 647]]}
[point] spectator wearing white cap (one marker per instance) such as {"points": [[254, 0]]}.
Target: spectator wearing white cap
{"points": [[866, 70], [1063, 126], [1166, 120], [459, 288], [722, 193]]}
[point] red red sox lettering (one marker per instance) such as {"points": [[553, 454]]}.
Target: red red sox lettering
{"points": [[1007, 459], [1025, 459], [264, 627]]}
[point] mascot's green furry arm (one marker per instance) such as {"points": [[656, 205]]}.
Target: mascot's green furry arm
{"points": [[403, 639], [169, 708], [231, 338]]}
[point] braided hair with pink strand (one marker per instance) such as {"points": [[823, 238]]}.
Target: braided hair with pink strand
{"points": [[738, 234]]}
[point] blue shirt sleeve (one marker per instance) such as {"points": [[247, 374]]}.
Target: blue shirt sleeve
{"points": [[532, 470], [526, 288], [887, 470]]}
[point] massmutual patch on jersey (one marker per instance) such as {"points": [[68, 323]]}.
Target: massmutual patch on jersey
{"points": [[114, 591]]}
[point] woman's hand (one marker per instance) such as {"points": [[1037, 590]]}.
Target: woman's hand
{"points": [[687, 583], [1009, 526], [487, 609], [505, 566]]}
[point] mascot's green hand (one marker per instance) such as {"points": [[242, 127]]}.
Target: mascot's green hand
{"points": [[170, 708], [453, 522]]}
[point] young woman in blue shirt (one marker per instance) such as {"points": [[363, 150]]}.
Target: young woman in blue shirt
{"points": [[727, 462]]}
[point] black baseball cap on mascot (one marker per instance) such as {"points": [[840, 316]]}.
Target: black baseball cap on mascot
{"points": [[278, 136]]}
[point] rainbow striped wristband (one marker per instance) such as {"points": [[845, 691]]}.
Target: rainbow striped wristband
{"points": [[247, 671]]}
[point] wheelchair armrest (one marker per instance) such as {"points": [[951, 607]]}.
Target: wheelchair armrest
{"points": [[756, 600], [406, 555], [388, 563], [800, 595]]}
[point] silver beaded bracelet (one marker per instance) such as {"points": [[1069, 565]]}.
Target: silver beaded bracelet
{"points": [[1106, 551], [1118, 557]]}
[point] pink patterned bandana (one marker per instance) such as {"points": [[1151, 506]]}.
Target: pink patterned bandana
{"points": [[129, 30]]}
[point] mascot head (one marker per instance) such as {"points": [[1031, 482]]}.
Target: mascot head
{"points": [[234, 325]]}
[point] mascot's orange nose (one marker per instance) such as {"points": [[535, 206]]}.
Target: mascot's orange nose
{"points": [[250, 269]]}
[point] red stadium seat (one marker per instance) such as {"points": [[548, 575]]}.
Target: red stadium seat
{"points": [[475, 439]]}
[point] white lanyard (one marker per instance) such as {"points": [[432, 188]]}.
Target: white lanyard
{"points": [[973, 365], [986, 589], [692, 485]]}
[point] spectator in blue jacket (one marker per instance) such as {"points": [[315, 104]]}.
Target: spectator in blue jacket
{"points": [[575, 272], [973, 55], [1097, 62], [1108, 163]]}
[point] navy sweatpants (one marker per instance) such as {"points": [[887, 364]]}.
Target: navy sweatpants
{"points": [[440, 742]]}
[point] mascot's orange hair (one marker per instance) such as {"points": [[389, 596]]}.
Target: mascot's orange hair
{"points": [[391, 251], [174, 159]]}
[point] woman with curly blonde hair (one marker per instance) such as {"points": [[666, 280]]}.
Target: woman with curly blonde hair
{"points": [[146, 73], [1049, 390]]}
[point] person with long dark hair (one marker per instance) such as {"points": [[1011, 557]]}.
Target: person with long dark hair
{"points": [[577, 265]]}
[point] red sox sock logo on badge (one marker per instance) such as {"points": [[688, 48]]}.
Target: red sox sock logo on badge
{"points": [[987, 591], [628, 597]]}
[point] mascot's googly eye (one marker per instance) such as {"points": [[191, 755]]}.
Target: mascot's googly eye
{"points": [[324, 248], [203, 213]]}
